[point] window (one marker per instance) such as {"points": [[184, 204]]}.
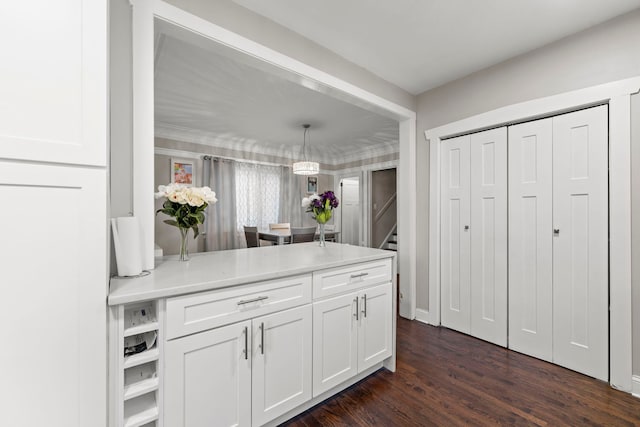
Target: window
{"points": [[257, 195]]}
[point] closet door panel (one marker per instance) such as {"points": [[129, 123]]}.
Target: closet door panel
{"points": [[580, 241], [488, 234], [455, 243], [530, 238]]}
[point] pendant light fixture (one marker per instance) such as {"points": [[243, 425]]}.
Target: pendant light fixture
{"points": [[305, 167]]}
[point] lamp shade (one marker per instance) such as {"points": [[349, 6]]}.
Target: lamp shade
{"points": [[306, 168]]}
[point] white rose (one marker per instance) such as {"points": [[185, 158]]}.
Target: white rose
{"points": [[306, 202], [208, 195]]}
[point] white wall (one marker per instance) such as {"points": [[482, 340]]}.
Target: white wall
{"points": [[605, 53], [635, 228]]}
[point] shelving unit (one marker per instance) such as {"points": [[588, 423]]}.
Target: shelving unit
{"points": [[136, 395]]}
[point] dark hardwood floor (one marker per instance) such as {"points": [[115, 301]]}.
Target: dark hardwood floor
{"points": [[445, 378]]}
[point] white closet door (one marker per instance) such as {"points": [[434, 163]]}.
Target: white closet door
{"points": [[455, 243], [530, 239], [489, 235], [580, 273]]}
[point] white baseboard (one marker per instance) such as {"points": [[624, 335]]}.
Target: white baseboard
{"points": [[635, 386], [422, 316]]}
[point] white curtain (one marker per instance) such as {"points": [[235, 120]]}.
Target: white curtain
{"points": [[257, 195], [291, 197], [221, 217]]}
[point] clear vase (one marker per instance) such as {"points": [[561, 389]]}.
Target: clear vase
{"points": [[184, 254], [321, 240]]}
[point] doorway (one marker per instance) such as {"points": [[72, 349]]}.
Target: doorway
{"points": [[350, 211]]}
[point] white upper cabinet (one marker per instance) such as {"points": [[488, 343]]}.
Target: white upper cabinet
{"points": [[53, 81]]}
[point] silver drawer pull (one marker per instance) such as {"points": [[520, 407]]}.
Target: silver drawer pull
{"points": [[247, 301], [355, 276]]}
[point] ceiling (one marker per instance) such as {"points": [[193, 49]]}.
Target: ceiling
{"points": [[208, 96], [421, 44]]}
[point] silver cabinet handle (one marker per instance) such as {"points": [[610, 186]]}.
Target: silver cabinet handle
{"points": [[247, 301], [556, 231], [355, 276], [262, 338], [246, 343], [356, 315], [364, 305]]}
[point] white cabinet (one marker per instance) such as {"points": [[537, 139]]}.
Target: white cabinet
{"points": [[53, 81], [246, 373], [558, 278], [474, 235], [281, 371], [351, 333], [208, 378]]}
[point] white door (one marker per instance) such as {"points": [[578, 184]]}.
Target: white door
{"points": [[488, 233], [335, 341], [54, 284], [530, 238], [580, 241], [455, 234], [282, 363], [350, 219], [208, 378], [374, 333]]}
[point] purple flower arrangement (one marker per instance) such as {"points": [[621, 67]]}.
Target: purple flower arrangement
{"points": [[321, 205]]}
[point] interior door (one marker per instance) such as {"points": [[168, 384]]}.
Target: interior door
{"points": [[455, 234], [530, 239], [350, 219], [488, 232], [281, 372], [580, 241]]}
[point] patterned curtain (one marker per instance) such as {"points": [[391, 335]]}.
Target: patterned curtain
{"points": [[291, 197], [257, 195]]}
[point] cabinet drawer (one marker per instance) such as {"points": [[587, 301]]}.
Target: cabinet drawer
{"points": [[194, 313], [349, 278]]}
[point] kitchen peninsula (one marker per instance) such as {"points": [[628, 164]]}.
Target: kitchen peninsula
{"points": [[249, 337]]}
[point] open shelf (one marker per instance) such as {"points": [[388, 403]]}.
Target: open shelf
{"points": [[140, 388], [140, 411], [141, 329], [140, 358]]}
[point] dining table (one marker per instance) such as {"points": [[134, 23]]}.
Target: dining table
{"points": [[280, 236]]}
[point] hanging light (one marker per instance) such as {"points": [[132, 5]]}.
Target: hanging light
{"points": [[305, 167]]}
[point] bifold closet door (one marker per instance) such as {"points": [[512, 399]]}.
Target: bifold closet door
{"points": [[488, 280], [580, 241], [455, 234], [530, 239]]}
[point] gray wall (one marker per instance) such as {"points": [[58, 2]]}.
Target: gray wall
{"points": [[605, 53], [255, 27]]}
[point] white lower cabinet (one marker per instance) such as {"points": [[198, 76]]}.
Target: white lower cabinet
{"points": [[244, 374], [352, 332]]}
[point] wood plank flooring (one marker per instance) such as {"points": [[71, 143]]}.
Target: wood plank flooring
{"points": [[445, 378]]}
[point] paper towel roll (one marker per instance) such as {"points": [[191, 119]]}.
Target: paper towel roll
{"points": [[127, 244]]}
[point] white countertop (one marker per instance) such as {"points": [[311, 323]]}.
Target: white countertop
{"points": [[220, 269]]}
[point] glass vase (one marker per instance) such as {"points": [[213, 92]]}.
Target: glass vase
{"points": [[321, 241], [184, 254]]}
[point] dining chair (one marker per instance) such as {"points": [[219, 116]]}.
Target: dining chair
{"points": [[251, 234], [280, 226], [302, 234]]}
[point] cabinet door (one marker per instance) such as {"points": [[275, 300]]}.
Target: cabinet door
{"points": [[530, 238], [488, 281], [455, 239], [54, 284], [335, 341], [374, 333], [53, 81], [580, 241], [282, 360], [208, 378]]}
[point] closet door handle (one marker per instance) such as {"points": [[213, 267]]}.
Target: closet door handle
{"points": [[556, 231], [466, 227]]}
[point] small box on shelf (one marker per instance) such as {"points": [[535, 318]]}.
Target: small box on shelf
{"points": [[139, 319]]}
